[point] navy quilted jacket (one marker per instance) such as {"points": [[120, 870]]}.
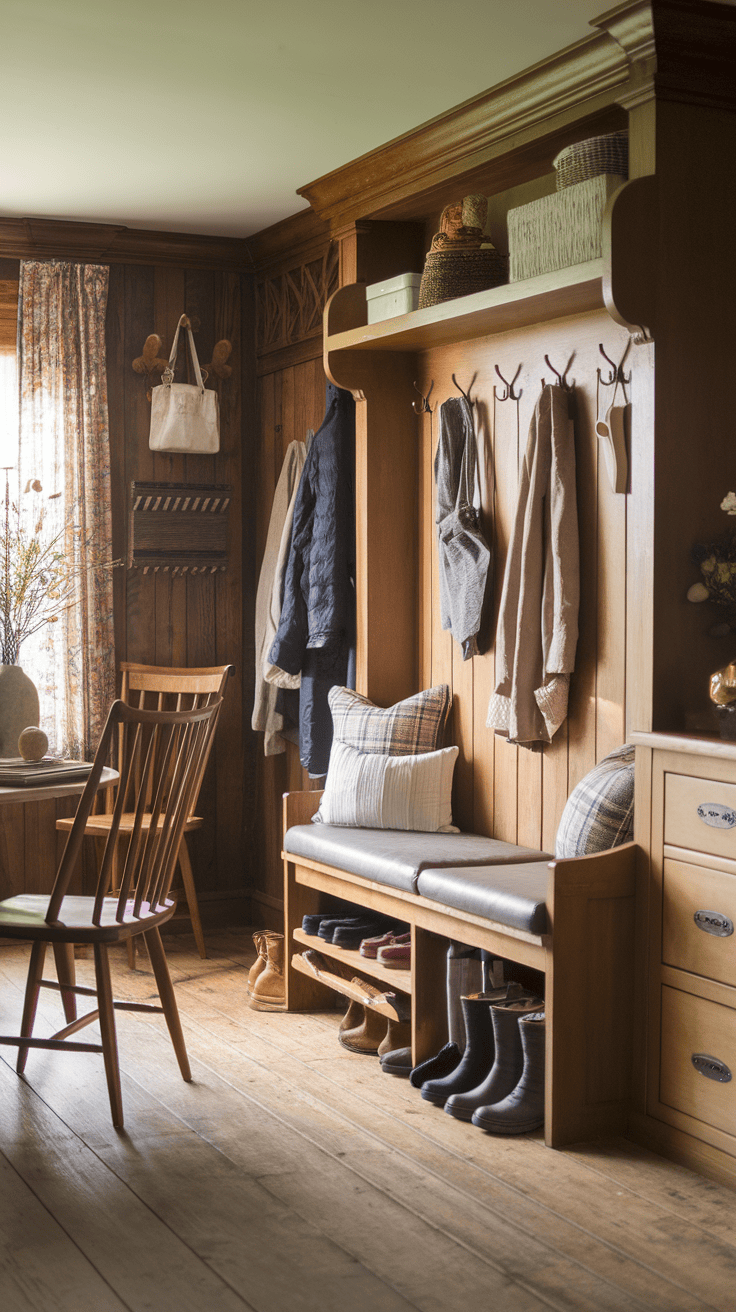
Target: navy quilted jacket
{"points": [[317, 626]]}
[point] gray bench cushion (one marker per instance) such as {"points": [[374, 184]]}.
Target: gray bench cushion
{"points": [[513, 895], [396, 857]]}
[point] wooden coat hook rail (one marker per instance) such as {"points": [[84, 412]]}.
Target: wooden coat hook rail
{"points": [[509, 394]]}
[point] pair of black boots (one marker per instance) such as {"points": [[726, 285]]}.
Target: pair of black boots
{"points": [[499, 1082]]}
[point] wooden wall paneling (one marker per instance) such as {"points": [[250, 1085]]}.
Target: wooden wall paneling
{"points": [[509, 443], [426, 560], [140, 636], [234, 772], [170, 593], [193, 592], [612, 618]]}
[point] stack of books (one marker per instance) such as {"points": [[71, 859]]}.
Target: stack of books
{"points": [[17, 773]]}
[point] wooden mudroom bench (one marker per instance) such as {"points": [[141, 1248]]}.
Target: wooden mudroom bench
{"points": [[571, 920]]}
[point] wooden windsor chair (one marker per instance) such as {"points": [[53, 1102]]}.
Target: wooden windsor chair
{"points": [[164, 753], [159, 687]]}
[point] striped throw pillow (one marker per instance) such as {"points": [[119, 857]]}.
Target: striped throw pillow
{"points": [[599, 813], [416, 724], [371, 790]]}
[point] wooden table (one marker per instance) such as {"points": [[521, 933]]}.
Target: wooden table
{"points": [[29, 845]]}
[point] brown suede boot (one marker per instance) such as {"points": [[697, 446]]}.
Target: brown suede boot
{"points": [[259, 938], [366, 1038], [353, 1018], [269, 990], [398, 1035]]}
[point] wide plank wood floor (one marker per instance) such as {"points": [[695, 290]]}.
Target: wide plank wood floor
{"points": [[292, 1174]]}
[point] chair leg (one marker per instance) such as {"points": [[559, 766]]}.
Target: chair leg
{"points": [[190, 893], [30, 1002], [109, 1037], [130, 948], [168, 999], [65, 973]]}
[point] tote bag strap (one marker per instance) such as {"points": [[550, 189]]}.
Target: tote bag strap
{"points": [[168, 374]]}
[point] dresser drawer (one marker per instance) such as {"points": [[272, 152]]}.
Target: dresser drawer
{"points": [[696, 1027], [700, 814], [698, 918]]}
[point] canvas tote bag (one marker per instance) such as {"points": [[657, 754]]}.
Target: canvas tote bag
{"points": [[184, 417]]}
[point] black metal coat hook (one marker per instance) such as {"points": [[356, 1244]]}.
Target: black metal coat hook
{"points": [[465, 394], [510, 394], [422, 407], [560, 377], [617, 370]]}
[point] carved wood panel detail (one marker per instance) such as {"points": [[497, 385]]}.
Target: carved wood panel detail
{"points": [[289, 306]]}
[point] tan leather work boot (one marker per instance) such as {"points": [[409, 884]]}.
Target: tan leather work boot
{"points": [[366, 1038], [259, 965], [398, 1035], [269, 990]]}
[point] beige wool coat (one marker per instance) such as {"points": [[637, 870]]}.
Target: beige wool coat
{"points": [[537, 630]]}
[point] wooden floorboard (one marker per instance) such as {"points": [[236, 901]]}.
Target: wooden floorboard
{"points": [[293, 1174]]}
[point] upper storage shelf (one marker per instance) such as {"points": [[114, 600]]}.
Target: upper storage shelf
{"points": [[514, 305]]}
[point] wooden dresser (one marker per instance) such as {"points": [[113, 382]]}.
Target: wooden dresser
{"points": [[686, 1057]]}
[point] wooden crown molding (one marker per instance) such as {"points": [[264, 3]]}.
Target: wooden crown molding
{"points": [[681, 50], [109, 243], [468, 136]]}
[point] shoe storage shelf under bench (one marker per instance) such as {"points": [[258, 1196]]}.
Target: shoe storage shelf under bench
{"points": [[586, 959]]}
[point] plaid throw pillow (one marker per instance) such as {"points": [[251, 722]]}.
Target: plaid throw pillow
{"points": [[599, 813], [415, 725]]}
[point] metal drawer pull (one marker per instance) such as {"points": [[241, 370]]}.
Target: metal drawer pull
{"points": [[711, 1067], [712, 922], [716, 815]]}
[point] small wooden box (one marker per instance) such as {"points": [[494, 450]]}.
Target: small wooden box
{"points": [[178, 527]]}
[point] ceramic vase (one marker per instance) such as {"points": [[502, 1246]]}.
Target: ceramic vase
{"points": [[18, 707]]}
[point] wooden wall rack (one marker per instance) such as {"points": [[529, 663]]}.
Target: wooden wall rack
{"points": [[178, 527]]}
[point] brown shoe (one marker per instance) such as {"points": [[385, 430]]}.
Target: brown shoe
{"points": [[353, 1018], [367, 1038], [398, 1035], [259, 938], [269, 990]]}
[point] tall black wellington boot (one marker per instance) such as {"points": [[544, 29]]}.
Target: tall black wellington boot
{"points": [[505, 1073], [478, 1056], [523, 1110]]}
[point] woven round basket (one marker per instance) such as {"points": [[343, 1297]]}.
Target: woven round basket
{"points": [[591, 158], [448, 274]]}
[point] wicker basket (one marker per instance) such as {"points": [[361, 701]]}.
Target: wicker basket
{"points": [[448, 274], [591, 158]]}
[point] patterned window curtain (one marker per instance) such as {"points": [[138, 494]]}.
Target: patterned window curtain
{"points": [[64, 446]]}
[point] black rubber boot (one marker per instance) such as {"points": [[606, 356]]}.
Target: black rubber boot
{"points": [[435, 1068], [505, 1072], [523, 1109], [478, 1056]]}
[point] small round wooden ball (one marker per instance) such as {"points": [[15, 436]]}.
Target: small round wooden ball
{"points": [[33, 744]]}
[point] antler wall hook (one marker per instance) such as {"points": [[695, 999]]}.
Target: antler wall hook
{"points": [[220, 354]]}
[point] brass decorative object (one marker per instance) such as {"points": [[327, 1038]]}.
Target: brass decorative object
{"points": [[723, 685]]}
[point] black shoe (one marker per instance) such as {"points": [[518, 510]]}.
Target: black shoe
{"points": [[443, 1063], [351, 936], [523, 1109], [311, 924], [397, 1062], [328, 926], [479, 1048]]}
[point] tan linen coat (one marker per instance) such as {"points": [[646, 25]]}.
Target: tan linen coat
{"points": [[538, 619], [265, 717]]}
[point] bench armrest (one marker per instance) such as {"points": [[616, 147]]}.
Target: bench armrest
{"points": [[300, 807]]}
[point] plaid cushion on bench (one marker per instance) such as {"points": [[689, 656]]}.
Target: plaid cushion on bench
{"points": [[599, 813]]}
